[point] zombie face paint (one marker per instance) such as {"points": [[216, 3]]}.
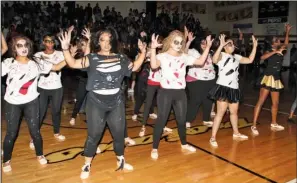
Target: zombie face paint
{"points": [[22, 48], [177, 44]]}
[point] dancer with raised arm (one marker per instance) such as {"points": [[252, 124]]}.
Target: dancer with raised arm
{"points": [[173, 62], [226, 91], [106, 69], [271, 82], [21, 95]]}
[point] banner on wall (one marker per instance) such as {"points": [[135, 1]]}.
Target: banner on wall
{"points": [[231, 16], [244, 28], [229, 3], [195, 8], [169, 6], [273, 12]]}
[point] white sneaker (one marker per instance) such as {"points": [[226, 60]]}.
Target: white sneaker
{"points": [[85, 171], [134, 117], [153, 116], [7, 167], [277, 127], [125, 166], [31, 145], [239, 135], [130, 141], [72, 121], [60, 137], [142, 132], [208, 123], [188, 125], [42, 160], [166, 129], [154, 154], [98, 151], [189, 148], [212, 114], [213, 142], [254, 130]]}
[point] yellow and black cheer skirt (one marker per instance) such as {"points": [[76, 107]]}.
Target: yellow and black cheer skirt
{"points": [[270, 83]]}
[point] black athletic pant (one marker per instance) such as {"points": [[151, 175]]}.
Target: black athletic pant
{"points": [[81, 94], [198, 92], [13, 114], [150, 101], [98, 114], [56, 98], [140, 97], [178, 100]]}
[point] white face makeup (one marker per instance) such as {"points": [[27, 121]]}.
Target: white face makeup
{"points": [[177, 44], [22, 48]]}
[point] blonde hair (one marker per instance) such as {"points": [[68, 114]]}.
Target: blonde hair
{"points": [[170, 38]]}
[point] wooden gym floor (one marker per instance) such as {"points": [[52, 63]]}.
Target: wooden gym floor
{"points": [[269, 157]]}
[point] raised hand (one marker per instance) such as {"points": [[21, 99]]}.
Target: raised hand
{"points": [[154, 43], [191, 37], [255, 41], [70, 29], [87, 33], [141, 46], [209, 41], [65, 40], [222, 40], [288, 27]]}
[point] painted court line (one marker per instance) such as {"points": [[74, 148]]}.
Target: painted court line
{"points": [[267, 109], [292, 181]]}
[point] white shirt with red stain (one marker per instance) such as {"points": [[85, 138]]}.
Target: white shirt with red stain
{"points": [[154, 77], [173, 70], [22, 80], [53, 79], [201, 72]]}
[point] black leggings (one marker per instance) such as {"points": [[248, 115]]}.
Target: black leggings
{"points": [[140, 97], [97, 116], [13, 114], [81, 94], [150, 102], [178, 100], [197, 95], [56, 97]]}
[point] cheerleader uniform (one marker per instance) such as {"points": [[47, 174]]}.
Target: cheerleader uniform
{"points": [[271, 79], [226, 88]]}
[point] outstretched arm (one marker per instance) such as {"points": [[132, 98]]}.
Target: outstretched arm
{"points": [[4, 46], [250, 59], [154, 45]]}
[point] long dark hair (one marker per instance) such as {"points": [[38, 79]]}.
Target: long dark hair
{"points": [[113, 41]]}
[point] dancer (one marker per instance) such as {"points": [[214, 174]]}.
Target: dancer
{"points": [[106, 69], [271, 82], [173, 62], [50, 87], [84, 49], [22, 97], [153, 85], [200, 80], [226, 91]]}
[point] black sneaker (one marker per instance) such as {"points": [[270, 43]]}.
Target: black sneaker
{"points": [[291, 120]]}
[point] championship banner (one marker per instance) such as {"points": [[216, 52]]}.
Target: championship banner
{"points": [[273, 12], [195, 8]]}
